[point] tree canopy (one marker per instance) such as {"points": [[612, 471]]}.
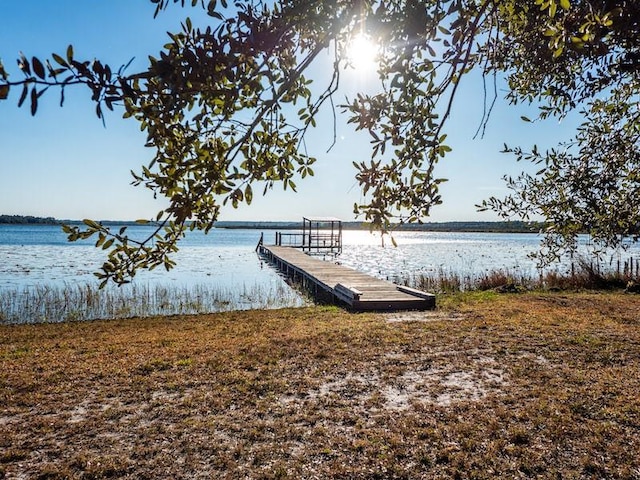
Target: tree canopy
{"points": [[585, 56], [226, 109]]}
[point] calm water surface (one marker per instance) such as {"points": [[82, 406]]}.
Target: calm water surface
{"points": [[31, 255], [35, 255], [45, 278]]}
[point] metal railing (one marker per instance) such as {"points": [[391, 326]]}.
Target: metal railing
{"points": [[289, 239], [310, 242]]}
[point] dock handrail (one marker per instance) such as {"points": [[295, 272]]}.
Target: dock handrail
{"points": [[319, 236], [287, 239]]}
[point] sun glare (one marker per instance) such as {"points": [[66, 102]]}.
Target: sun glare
{"points": [[362, 53]]}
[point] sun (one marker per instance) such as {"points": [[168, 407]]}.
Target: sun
{"points": [[362, 53]]}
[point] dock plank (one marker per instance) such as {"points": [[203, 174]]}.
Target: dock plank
{"points": [[374, 293]]}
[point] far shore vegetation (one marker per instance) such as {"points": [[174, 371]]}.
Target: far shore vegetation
{"points": [[27, 220], [470, 226], [534, 385]]}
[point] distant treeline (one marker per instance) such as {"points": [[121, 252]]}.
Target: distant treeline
{"points": [[28, 220], [489, 227]]}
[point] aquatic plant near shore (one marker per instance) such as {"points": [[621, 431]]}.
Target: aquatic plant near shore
{"points": [[51, 304], [582, 275]]}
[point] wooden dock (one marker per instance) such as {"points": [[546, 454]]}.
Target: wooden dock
{"points": [[335, 282]]}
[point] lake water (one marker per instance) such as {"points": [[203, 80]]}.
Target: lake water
{"points": [[32, 255], [35, 256]]}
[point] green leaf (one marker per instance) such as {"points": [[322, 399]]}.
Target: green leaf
{"points": [[70, 53], [23, 64], [38, 67], [4, 92], [34, 101], [565, 4], [61, 61], [23, 96], [211, 7], [92, 224], [101, 239]]}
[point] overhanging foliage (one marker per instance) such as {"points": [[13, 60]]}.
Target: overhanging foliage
{"points": [[226, 109]]}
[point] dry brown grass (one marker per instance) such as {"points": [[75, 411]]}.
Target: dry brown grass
{"points": [[517, 386]]}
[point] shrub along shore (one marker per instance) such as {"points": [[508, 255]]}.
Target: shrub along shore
{"points": [[543, 385]]}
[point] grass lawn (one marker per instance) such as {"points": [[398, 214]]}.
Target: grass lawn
{"points": [[510, 386]]}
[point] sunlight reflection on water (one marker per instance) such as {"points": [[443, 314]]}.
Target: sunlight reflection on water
{"points": [[428, 252], [40, 255]]}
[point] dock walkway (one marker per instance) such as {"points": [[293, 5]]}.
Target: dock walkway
{"points": [[356, 289]]}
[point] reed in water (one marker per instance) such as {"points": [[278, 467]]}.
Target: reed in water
{"points": [[46, 303], [582, 274]]}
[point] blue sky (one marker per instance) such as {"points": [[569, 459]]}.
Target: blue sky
{"points": [[64, 163]]}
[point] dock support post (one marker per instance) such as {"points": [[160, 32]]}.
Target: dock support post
{"points": [[260, 242]]}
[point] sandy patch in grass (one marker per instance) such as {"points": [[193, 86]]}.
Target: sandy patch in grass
{"points": [[441, 386], [421, 316]]}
